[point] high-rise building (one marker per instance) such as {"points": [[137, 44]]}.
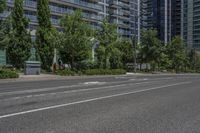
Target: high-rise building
{"points": [[93, 10], [191, 23], [163, 16], [120, 12], [176, 18], [123, 12]]}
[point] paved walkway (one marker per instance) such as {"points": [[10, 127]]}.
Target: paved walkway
{"points": [[26, 78], [23, 77]]}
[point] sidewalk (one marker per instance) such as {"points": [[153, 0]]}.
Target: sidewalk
{"points": [[26, 78], [39, 77], [42, 77]]}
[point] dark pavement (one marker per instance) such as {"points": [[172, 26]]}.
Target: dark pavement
{"points": [[118, 104]]}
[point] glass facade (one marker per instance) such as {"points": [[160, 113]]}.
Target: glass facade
{"points": [[191, 23], [91, 10], [120, 12], [123, 13], [176, 17], [196, 24], [162, 15]]}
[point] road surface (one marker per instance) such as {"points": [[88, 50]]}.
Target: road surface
{"points": [[118, 104]]}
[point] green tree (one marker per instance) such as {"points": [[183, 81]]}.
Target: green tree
{"points": [[19, 45], [115, 58], [193, 57], [193, 62], [2, 5], [197, 61], [44, 34], [100, 56], [126, 49], [2, 25], [76, 45], [177, 53], [5, 30], [150, 48], [107, 36], [164, 61]]}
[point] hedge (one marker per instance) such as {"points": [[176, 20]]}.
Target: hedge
{"points": [[68, 72], [105, 72], [5, 74]]}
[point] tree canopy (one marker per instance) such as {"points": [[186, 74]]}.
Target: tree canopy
{"points": [[2, 26], [150, 47], [76, 45], [177, 53], [19, 43], [107, 36], [2, 5], [45, 48]]}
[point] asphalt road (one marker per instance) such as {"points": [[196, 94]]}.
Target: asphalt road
{"points": [[118, 104]]}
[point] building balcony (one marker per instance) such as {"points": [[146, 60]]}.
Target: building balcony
{"points": [[117, 4], [120, 23], [79, 4], [70, 3]]}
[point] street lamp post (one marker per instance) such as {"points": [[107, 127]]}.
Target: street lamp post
{"points": [[94, 46], [54, 65]]}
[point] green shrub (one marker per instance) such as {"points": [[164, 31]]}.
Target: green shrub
{"points": [[86, 64], [104, 72], [5, 74], [66, 72], [79, 73]]}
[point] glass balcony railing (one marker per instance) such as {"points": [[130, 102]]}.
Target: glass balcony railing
{"points": [[84, 4], [119, 3], [59, 10], [33, 4]]}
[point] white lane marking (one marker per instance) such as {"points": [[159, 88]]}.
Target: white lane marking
{"points": [[56, 88], [144, 79], [158, 78], [42, 90], [80, 90], [89, 100], [139, 79], [121, 77], [36, 90], [94, 83], [65, 87]]}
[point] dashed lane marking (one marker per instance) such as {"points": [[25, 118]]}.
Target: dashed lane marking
{"points": [[89, 100]]}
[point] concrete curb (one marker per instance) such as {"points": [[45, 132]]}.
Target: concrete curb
{"points": [[30, 78]]}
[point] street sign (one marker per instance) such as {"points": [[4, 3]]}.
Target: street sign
{"points": [[2, 57]]}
